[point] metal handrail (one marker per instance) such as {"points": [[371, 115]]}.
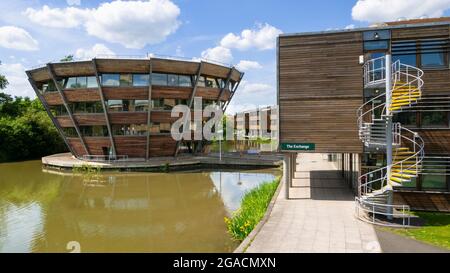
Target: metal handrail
{"points": [[106, 158]]}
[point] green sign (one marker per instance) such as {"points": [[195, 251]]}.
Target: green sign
{"points": [[298, 146]]}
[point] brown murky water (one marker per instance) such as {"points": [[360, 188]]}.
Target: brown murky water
{"points": [[42, 211]]}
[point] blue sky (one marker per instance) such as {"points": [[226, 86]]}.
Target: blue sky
{"points": [[34, 32]]}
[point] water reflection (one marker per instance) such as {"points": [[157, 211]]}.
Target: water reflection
{"points": [[119, 212]]}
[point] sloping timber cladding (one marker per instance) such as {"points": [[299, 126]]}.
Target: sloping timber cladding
{"points": [[320, 88]]}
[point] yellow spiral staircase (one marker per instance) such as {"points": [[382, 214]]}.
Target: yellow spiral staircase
{"points": [[404, 84]]}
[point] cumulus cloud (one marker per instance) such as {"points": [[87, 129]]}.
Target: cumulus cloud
{"points": [[96, 50], [245, 65], [391, 10], [132, 24], [262, 38], [18, 83], [218, 53], [255, 88], [73, 2], [17, 38], [59, 18]]}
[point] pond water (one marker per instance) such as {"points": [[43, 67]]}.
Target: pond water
{"points": [[42, 210]]}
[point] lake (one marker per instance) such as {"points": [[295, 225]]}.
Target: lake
{"points": [[43, 210]]}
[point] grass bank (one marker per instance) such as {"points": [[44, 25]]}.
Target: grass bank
{"points": [[253, 207], [436, 230]]}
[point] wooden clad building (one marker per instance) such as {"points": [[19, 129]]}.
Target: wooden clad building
{"points": [[121, 108], [321, 86]]}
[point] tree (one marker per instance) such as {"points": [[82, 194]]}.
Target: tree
{"points": [[67, 58], [3, 81]]}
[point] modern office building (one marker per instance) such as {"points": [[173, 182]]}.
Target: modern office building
{"points": [[121, 108], [379, 99]]}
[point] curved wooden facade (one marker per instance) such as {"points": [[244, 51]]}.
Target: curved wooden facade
{"points": [[121, 107]]}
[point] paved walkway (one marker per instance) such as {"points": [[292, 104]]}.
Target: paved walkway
{"points": [[322, 223]]}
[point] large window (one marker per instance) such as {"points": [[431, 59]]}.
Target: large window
{"points": [[94, 131], [185, 81], [70, 132], [433, 53], [140, 79], [86, 107], [111, 80], [80, 82], [159, 79], [211, 82], [126, 79], [127, 105], [434, 182], [58, 110], [167, 104], [129, 129], [406, 118], [435, 119]]}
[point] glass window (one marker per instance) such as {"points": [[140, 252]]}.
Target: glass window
{"points": [[201, 82], [58, 110], [79, 107], [406, 118], [211, 82], [92, 82], [434, 119], [376, 45], [140, 79], [111, 79], [433, 53], [115, 105], [434, 182], [81, 82], [71, 83], [129, 129], [94, 107], [409, 59], [158, 104], [433, 60], [173, 80], [185, 81], [164, 127], [154, 127], [140, 105], [94, 131], [70, 132], [159, 79], [126, 80]]}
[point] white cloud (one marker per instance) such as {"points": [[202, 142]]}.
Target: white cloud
{"points": [[59, 18], [391, 10], [218, 53], [96, 50], [17, 38], [350, 26], [244, 65], [262, 38], [132, 24], [255, 88], [18, 83], [73, 2]]}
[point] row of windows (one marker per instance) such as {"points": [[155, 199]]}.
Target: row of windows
{"points": [[88, 131], [118, 130], [121, 106], [431, 119], [77, 108], [125, 80]]}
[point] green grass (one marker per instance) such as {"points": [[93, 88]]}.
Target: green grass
{"points": [[436, 230], [253, 207]]}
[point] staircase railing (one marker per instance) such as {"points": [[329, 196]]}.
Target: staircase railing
{"points": [[372, 121]]}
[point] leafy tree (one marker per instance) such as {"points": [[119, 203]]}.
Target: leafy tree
{"points": [[3, 81], [26, 131], [67, 58]]}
